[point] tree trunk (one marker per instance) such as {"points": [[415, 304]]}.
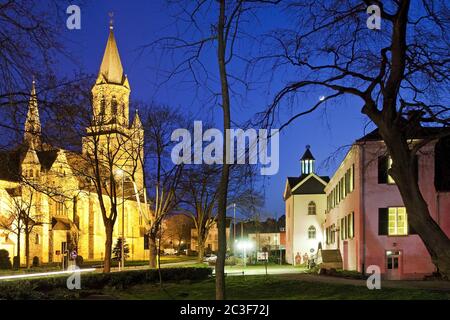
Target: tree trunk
{"points": [[201, 251], [18, 249], [152, 251], [108, 247], [223, 186], [403, 172], [27, 250]]}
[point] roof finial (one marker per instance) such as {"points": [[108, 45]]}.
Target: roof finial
{"points": [[308, 146], [111, 20]]}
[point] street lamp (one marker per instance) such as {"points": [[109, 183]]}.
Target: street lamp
{"points": [[244, 245], [121, 174]]}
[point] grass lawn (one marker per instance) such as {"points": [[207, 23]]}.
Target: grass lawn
{"points": [[272, 287]]}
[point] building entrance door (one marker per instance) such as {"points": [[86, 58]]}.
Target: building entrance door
{"points": [[393, 265]]}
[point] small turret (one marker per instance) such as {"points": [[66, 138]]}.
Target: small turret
{"points": [[307, 162]]}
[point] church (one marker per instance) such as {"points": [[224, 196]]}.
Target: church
{"points": [[52, 188]]}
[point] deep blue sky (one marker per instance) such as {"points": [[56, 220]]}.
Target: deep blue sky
{"points": [[140, 22]]}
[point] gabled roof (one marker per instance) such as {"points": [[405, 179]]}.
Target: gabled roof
{"points": [[47, 158], [306, 184], [311, 184]]}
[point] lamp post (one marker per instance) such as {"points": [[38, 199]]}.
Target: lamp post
{"points": [[234, 221], [122, 246]]}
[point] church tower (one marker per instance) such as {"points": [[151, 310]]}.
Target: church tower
{"points": [[111, 91], [32, 135], [110, 133]]}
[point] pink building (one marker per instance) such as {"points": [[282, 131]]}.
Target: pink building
{"points": [[365, 217]]}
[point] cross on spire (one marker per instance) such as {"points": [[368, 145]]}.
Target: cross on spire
{"points": [[111, 20]]}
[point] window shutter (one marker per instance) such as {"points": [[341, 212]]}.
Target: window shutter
{"points": [[353, 224], [383, 221], [382, 169]]}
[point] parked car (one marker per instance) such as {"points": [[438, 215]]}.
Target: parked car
{"points": [[169, 251], [212, 258]]}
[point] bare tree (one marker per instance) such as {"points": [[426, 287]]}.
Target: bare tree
{"points": [[212, 30], [200, 185], [24, 217], [162, 176], [399, 73]]}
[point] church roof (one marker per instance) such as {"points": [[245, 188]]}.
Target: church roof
{"points": [[111, 68], [10, 165], [11, 162], [47, 158]]}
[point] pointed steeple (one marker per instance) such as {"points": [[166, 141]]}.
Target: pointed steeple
{"points": [[32, 134], [111, 68], [307, 161], [136, 121]]}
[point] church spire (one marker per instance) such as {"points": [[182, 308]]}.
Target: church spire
{"points": [[32, 134], [111, 68], [136, 121]]}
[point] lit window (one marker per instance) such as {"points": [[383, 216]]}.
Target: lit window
{"points": [[389, 178], [397, 222], [311, 232], [312, 208]]}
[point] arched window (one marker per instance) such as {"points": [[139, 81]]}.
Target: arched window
{"points": [[311, 232], [114, 107], [102, 107], [37, 240], [312, 208]]}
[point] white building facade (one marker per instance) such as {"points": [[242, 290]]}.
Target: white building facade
{"points": [[305, 203]]}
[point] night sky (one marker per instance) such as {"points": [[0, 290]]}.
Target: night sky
{"points": [[137, 23]]}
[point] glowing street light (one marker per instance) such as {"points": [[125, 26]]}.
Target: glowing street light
{"points": [[244, 245]]}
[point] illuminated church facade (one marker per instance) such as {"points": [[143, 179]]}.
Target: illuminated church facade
{"points": [[50, 185]]}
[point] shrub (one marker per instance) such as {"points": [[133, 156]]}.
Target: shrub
{"points": [[35, 261], [5, 263], [41, 288]]}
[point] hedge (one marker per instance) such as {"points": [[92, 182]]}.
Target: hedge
{"points": [[39, 288]]}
